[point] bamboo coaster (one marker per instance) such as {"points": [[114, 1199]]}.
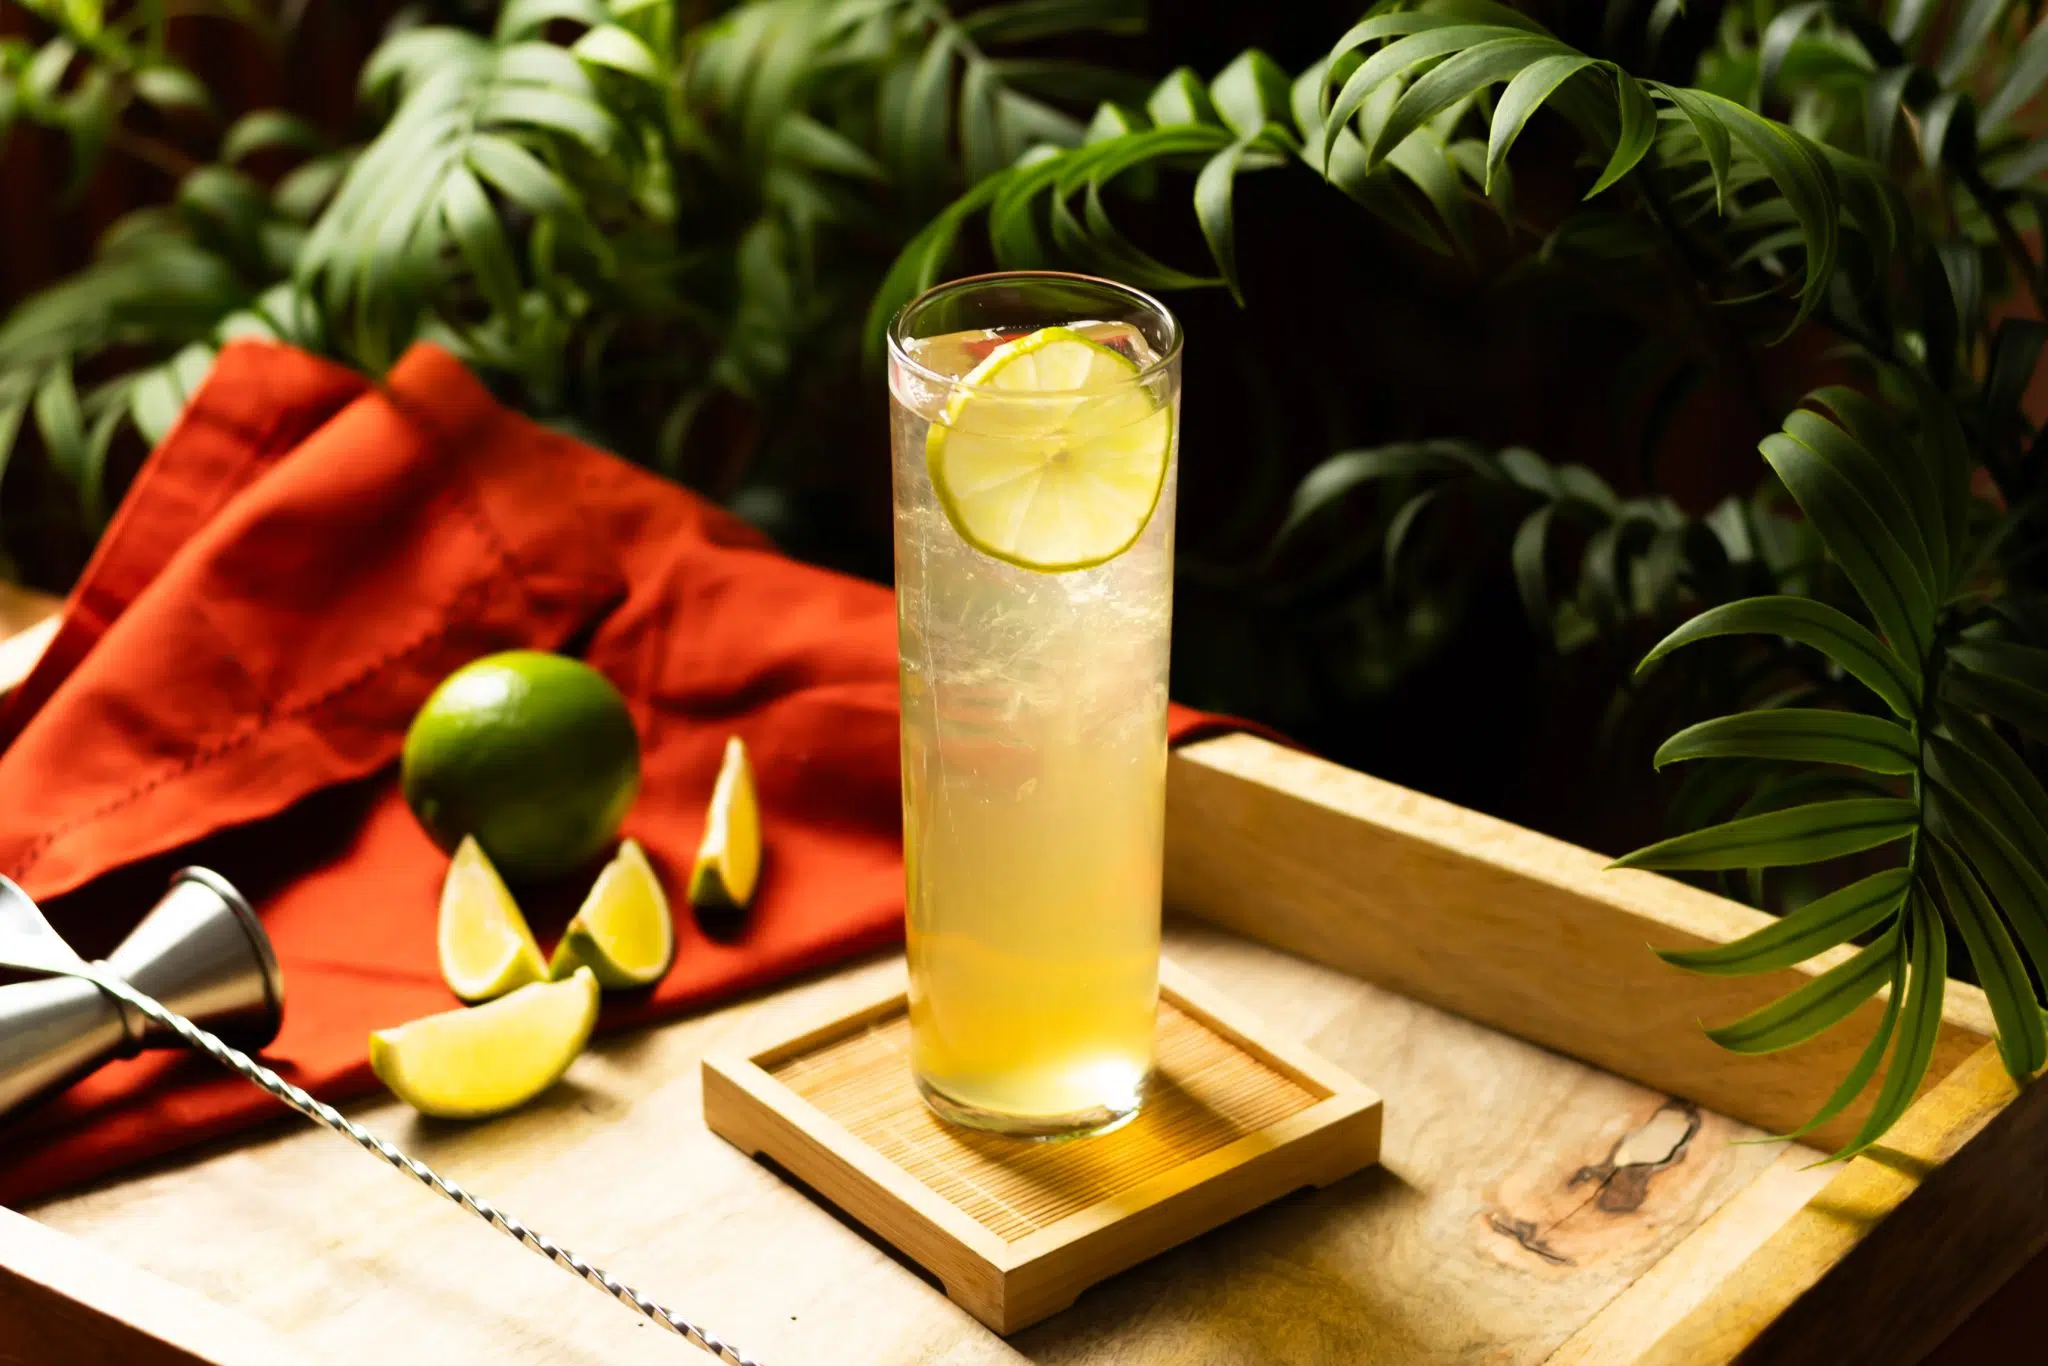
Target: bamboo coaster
{"points": [[1016, 1229]]}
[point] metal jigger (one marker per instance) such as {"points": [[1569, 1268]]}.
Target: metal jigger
{"points": [[201, 953]]}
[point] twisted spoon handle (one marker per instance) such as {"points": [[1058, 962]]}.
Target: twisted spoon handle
{"points": [[324, 1114]]}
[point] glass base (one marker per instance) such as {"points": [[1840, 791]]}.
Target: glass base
{"points": [[1087, 1123]]}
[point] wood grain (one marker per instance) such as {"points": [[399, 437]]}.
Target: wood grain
{"points": [[1234, 1118], [1689, 1274], [1511, 928], [1520, 1192], [61, 1301], [1212, 1094], [1899, 1246]]}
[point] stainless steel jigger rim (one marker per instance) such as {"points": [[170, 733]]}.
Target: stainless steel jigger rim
{"points": [[135, 1024], [259, 938]]}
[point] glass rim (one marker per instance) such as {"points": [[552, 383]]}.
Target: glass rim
{"points": [[901, 356]]}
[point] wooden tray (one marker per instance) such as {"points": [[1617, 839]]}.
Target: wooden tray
{"points": [[1014, 1230], [1561, 1177]]}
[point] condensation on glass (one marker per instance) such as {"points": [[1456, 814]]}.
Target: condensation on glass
{"points": [[1034, 749]]}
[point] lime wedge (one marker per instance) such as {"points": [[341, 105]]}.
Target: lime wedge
{"points": [[1052, 458], [465, 1064], [729, 858], [622, 932], [486, 947]]}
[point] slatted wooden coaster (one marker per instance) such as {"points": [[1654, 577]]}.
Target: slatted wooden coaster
{"points": [[1016, 1229]]}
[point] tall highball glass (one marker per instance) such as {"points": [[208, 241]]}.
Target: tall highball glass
{"points": [[1035, 425]]}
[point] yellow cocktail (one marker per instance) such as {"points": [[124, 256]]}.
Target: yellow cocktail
{"points": [[1035, 420]]}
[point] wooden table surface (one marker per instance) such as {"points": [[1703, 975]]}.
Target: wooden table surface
{"points": [[1521, 1192], [1523, 1213]]}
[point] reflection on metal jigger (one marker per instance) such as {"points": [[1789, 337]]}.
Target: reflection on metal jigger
{"points": [[200, 951]]}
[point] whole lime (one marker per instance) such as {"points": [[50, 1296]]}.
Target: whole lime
{"points": [[534, 754]]}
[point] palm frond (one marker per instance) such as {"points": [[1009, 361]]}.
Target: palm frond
{"points": [[1968, 812]]}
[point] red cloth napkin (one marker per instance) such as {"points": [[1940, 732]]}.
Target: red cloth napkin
{"points": [[297, 566]]}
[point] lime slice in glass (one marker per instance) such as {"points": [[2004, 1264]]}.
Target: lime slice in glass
{"points": [[622, 932], [486, 947], [1051, 456], [466, 1064]]}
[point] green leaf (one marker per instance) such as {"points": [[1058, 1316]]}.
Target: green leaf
{"points": [[1832, 632], [473, 224], [555, 111], [1908, 16], [45, 71], [1213, 211], [1528, 558], [89, 115], [1126, 261], [1825, 1001], [618, 49], [1374, 188], [1026, 20], [12, 416], [804, 140], [61, 424], [1876, 207], [265, 130], [1882, 100], [1919, 1026], [155, 402], [1776, 839], [1999, 678], [1971, 777], [1421, 159], [1340, 475], [2021, 1041], [1713, 136], [1903, 522], [1879, 433], [1963, 266], [1473, 68], [1524, 95], [519, 175], [928, 111], [2016, 887], [1799, 171], [1860, 542], [1399, 528], [1802, 734], [173, 87], [1811, 930], [1395, 58], [1974, 24], [981, 142], [1858, 1076], [2015, 352], [1638, 131], [1777, 40], [1180, 99], [1948, 129], [1947, 451], [1013, 219], [917, 267], [1987, 745], [2029, 72], [1250, 93]]}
